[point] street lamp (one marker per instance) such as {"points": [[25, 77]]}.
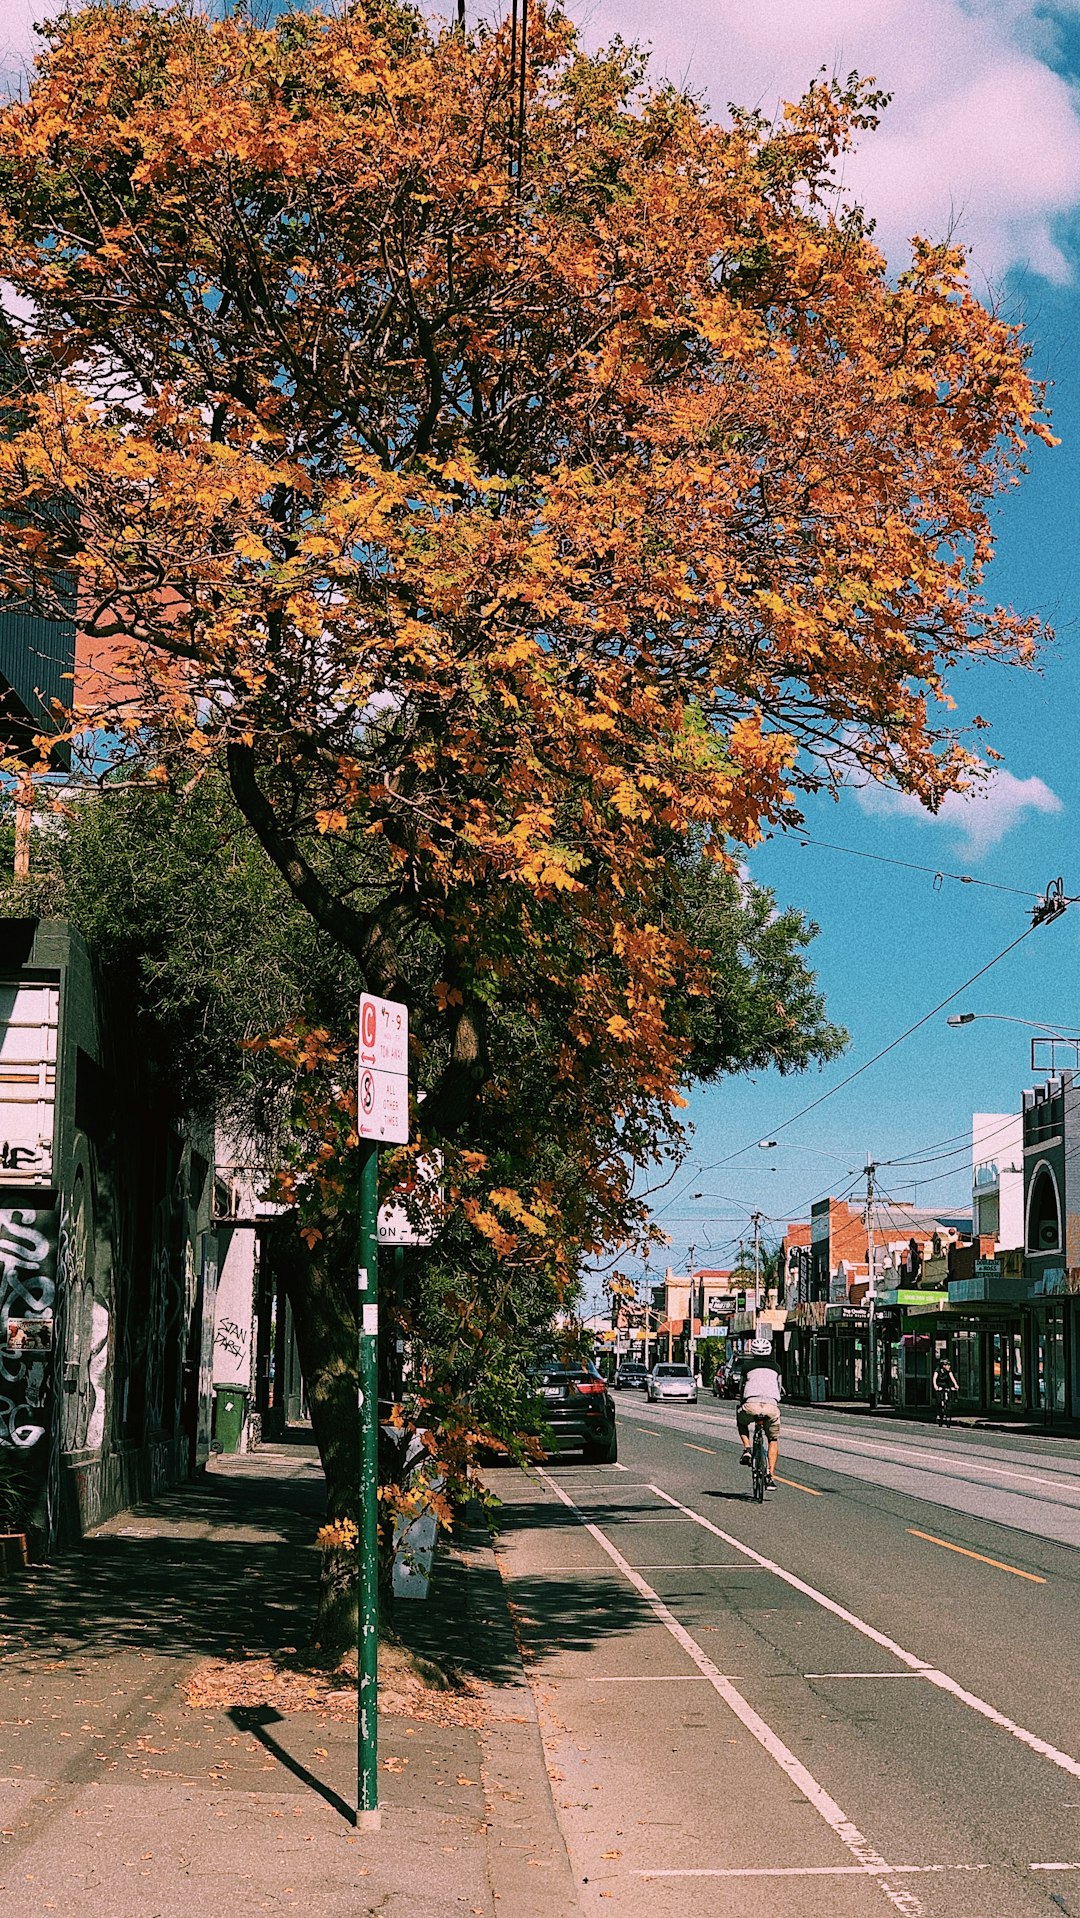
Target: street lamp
{"points": [[1010, 1018], [1052, 1035]]}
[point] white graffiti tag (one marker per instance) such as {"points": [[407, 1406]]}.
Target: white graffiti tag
{"points": [[27, 1293]]}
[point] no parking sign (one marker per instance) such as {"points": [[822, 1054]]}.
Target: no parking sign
{"points": [[383, 1087]]}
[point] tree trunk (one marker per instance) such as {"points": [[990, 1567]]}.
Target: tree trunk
{"points": [[320, 1282]]}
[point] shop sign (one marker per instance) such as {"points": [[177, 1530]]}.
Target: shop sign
{"points": [[847, 1315], [810, 1314]]}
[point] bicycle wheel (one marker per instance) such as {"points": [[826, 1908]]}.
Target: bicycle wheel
{"points": [[760, 1470]]}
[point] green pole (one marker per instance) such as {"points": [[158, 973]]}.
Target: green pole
{"points": [[367, 1314]]}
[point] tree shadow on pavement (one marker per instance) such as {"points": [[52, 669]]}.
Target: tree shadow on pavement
{"points": [[565, 1613], [171, 1577], [163, 1596]]}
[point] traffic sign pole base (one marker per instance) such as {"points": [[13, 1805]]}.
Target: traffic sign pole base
{"points": [[369, 1821]]}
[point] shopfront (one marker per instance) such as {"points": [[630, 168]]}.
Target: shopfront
{"points": [[849, 1351], [1050, 1342], [806, 1352], [907, 1337]]}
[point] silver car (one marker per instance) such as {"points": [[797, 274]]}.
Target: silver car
{"points": [[672, 1382]]}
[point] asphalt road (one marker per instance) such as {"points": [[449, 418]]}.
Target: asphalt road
{"points": [[862, 1696]]}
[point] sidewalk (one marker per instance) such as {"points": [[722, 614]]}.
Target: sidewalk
{"points": [[121, 1799]]}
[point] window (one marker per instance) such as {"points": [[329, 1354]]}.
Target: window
{"points": [[987, 1215], [1044, 1216]]}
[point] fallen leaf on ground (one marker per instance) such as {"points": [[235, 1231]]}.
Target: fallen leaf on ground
{"points": [[409, 1687]]}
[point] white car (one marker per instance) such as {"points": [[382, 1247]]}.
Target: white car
{"points": [[672, 1382]]}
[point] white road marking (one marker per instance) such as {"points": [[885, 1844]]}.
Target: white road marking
{"points": [[1056, 1867], [862, 1674], [920, 1665], [869, 1860], [803, 1871]]}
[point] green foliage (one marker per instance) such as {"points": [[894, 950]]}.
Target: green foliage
{"points": [[192, 927], [763, 1007]]}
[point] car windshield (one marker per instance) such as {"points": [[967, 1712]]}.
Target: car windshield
{"points": [[564, 1368], [673, 1371]]}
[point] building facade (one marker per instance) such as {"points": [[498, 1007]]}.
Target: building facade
{"points": [[108, 1256]]}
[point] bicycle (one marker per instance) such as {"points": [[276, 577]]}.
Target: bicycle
{"points": [[944, 1408], [759, 1463]]}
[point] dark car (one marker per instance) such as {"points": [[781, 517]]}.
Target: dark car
{"points": [[631, 1374], [579, 1409]]}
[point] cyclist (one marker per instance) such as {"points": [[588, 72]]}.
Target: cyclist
{"points": [[946, 1384], [760, 1389]]}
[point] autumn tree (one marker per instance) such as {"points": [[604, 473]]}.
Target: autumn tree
{"points": [[196, 935], [526, 523]]}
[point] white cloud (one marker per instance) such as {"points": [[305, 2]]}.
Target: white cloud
{"points": [[982, 138], [18, 41], [982, 816]]}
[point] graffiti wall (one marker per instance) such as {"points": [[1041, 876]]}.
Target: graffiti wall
{"points": [[28, 1256]]}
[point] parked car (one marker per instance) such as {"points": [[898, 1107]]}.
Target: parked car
{"points": [[672, 1382], [631, 1373], [579, 1409]]}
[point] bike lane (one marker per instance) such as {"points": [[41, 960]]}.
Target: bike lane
{"points": [[720, 1740]]}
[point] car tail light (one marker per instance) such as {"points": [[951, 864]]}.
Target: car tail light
{"points": [[589, 1385]]}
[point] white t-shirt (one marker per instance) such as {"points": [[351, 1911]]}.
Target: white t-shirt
{"points": [[761, 1381]]}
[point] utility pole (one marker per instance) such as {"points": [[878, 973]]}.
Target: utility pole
{"points": [[755, 1218], [647, 1286], [871, 1168], [691, 1341]]}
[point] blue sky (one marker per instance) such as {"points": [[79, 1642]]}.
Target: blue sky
{"points": [[983, 137]]}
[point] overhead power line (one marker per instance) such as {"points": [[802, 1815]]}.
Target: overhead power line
{"points": [[849, 1078], [937, 873]]}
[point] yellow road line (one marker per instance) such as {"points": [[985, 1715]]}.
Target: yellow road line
{"points": [[796, 1487], [997, 1563], [700, 1448]]}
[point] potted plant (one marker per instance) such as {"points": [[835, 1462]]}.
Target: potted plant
{"points": [[17, 1495]]}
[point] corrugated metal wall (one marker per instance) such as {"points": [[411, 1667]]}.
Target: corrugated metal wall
{"points": [[35, 654]]}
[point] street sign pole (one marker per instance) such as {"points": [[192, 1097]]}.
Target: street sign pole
{"points": [[367, 1721], [382, 1113]]}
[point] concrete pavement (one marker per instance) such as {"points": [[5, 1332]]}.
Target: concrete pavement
{"points": [[120, 1799]]}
